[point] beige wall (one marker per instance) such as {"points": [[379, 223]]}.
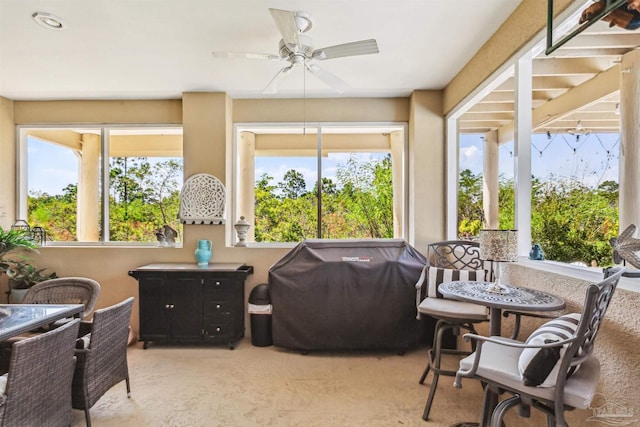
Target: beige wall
{"points": [[7, 161], [207, 120], [427, 163]]}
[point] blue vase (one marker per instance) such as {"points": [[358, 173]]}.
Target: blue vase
{"points": [[536, 253], [203, 252]]}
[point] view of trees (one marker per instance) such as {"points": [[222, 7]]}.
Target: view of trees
{"points": [[358, 205], [570, 220], [143, 197]]}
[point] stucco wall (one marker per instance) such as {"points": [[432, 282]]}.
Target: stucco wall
{"points": [[618, 341], [207, 120], [7, 159]]}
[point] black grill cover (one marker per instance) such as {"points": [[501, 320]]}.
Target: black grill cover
{"points": [[346, 294]]}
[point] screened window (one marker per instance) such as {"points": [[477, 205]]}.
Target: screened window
{"points": [[360, 170], [101, 184]]}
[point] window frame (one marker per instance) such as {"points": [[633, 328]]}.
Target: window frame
{"points": [[105, 131], [233, 171]]}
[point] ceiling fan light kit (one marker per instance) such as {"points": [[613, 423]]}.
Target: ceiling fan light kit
{"points": [[297, 49], [48, 21]]}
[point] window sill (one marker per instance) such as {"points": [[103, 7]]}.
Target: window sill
{"points": [[134, 245], [593, 274]]}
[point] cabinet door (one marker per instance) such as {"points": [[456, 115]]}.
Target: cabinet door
{"points": [[186, 307], [154, 309]]}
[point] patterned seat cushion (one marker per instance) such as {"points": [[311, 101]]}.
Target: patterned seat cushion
{"points": [[539, 366]]}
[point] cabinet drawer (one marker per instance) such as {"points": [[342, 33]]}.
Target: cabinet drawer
{"points": [[219, 329], [219, 285], [214, 309]]}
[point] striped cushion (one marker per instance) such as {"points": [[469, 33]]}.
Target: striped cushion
{"points": [[437, 276], [539, 367]]}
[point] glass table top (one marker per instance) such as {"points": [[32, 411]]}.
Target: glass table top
{"points": [[19, 318]]}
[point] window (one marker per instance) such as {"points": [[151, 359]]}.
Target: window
{"points": [[360, 168], [74, 180]]}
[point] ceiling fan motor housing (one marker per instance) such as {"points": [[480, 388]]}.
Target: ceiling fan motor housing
{"points": [[305, 49]]}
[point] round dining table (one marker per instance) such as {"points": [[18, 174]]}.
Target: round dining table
{"points": [[506, 297]]}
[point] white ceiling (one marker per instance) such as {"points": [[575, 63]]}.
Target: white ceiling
{"points": [[149, 49]]}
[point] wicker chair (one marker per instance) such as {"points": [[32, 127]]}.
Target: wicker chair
{"points": [[39, 379], [65, 290], [102, 362]]}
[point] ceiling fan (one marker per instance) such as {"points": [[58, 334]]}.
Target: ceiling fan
{"points": [[579, 130], [297, 49]]}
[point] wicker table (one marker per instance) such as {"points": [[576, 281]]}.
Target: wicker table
{"points": [[16, 319], [510, 298]]}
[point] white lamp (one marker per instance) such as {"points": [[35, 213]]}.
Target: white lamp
{"points": [[498, 246]]}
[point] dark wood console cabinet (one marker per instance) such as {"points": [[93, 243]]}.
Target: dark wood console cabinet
{"points": [[189, 304]]}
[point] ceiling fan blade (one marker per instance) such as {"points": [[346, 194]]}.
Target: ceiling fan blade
{"points": [[245, 55], [330, 79], [362, 47], [286, 22], [272, 87]]}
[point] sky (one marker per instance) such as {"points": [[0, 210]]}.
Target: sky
{"points": [[307, 166], [592, 159]]}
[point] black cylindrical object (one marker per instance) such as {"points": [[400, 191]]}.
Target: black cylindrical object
{"points": [[260, 312]]}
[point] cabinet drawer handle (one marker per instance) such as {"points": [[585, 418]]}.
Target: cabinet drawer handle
{"points": [[218, 329], [218, 283], [218, 306], [167, 306]]}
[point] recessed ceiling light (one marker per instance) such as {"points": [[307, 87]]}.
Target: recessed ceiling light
{"points": [[48, 20]]}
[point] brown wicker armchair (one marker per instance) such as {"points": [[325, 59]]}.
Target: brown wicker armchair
{"points": [[102, 362], [39, 379], [65, 290]]}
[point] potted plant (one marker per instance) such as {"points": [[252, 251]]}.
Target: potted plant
{"points": [[22, 275], [13, 240]]}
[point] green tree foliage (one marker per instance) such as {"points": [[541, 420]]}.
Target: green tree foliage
{"points": [[56, 214], [470, 204], [143, 197], [358, 205], [571, 221]]}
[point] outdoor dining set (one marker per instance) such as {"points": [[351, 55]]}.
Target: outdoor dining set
{"points": [[52, 359]]}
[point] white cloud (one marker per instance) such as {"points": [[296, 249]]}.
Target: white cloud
{"points": [[471, 158]]}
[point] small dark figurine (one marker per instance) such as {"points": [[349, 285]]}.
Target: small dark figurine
{"points": [[160, 236], [626, 16], [170, 235], [166, 236], [536, 253]]}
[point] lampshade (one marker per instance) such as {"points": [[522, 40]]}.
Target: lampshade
{"points": [[499, 245]]}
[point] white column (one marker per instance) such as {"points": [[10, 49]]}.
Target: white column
{"points": [[522, 152], [396, 143], [629, 204], [490, 188], [452, 174], [87, 229], [246, 181]]}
